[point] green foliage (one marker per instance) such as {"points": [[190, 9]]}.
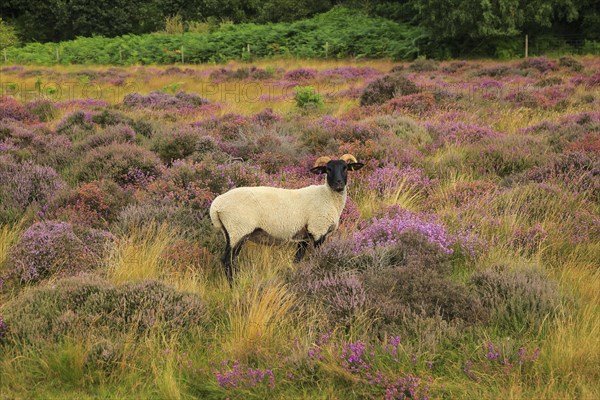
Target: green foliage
{"points": [[335, 34], [8, 35], [307, 97]]}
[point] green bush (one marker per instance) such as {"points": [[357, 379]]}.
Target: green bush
{"points": [[340, 32], [307, 97]]}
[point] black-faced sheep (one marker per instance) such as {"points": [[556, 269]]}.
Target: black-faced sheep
{"points": [[274, 215]]}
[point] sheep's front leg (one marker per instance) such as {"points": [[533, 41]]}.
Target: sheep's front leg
{"points": [[300, 251]]}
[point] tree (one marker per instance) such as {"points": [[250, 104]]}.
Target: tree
{"points": [[8, 35]]}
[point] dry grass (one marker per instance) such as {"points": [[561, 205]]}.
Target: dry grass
{"points": [[139, 256]]}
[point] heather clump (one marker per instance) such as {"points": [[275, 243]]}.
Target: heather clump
{"points": [[571, 63], [542, 64], [423, 65], [13, 109], [580, 171], [418, 104], [460, 133], [120, 133], [385, 230], [349, 73], [115, 161], [24, 184], [517, 299], [175, 143], [505, 156], [44, 110], [300, 74], [76, 124], [398, 293], [95, 204], [87, 302], [163, 101], [53, 247], [387, 87], [388, 179]]}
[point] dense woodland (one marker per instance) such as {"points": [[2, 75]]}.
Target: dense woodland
{"points": [[452, 28]]}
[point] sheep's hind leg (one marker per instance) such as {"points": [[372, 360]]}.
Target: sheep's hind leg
{"points": [[227, 260], [300, 251], [236, 252]]}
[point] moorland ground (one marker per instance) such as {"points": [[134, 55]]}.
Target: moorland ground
{"points": [[465, 266]]}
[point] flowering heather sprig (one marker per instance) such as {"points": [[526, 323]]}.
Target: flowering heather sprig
{"points": [[385, 230], [528, 239], [354, 357], [240, 377]]}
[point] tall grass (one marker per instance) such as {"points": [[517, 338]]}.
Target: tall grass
{"points": [[140, 255]]}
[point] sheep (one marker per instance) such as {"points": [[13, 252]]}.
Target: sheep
{"points": [[273, 215]]}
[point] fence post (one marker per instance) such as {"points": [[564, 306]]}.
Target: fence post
{"points": [[57, 55], [526, 46], [182, 57], [5, 56]]}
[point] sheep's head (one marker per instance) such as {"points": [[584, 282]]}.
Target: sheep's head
{"points": [[336, 170]]}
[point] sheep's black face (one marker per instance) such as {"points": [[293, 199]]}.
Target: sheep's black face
{"points": [[337, 173]]}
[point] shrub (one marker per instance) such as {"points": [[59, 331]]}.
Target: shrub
{"points": [[76, 125], [459, 133], [44, 110], [505, 156], [95, 204], [176, 143], [386, 229], [571, 63], [190, 222], [13, 109], [343, 295], [119, 133], [300, 74], [423, 65], [115, 161], [22, 184], [51, 247], [551, 81], [517, 299], [419, 104], [396, 293], [307, 97], [48, 313], [385, 88], [542, 64], [163, 101]]}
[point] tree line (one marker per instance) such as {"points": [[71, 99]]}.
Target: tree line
{"points": [[453, 26]]}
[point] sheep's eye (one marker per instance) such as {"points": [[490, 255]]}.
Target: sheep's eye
{"points": [[345, 167], [328, 169]]}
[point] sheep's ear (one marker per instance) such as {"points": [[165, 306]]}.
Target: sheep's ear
{"points": [[321, 169], [355, 166]]}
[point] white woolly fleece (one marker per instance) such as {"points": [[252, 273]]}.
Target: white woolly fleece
{"points": [[282, 214]]}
